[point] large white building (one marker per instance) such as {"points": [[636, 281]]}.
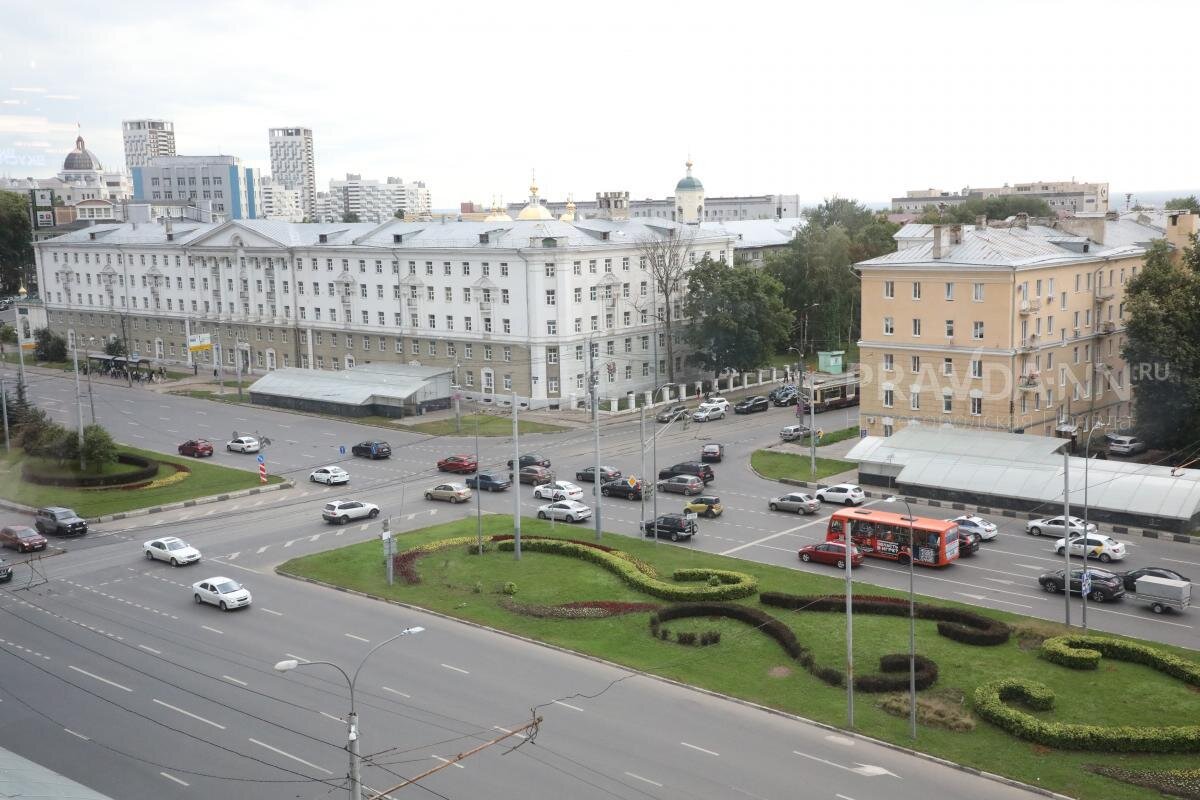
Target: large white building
{"points": [[232, 188], [294, 165], [146, 139], [370, 200], [279, 202], [512, 305], [81, 190], [1064, 197]]}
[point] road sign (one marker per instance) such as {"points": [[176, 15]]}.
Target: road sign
{"points": [[862, 433], [199, 341], [342, 449], [1085, 585], [632, 481], [262, 459]]}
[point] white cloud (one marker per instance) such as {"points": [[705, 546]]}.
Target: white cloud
{"points": [[62, 97], [24, 125], [30, 89]]}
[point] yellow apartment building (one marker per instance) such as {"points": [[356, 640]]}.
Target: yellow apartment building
{"points": [[1017, 328]]}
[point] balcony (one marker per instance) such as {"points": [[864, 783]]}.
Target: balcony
{"points": [[1104, 293], [1108, 327], [485, 307], [1030, 306], [1029, 383], [1028, 343], [270, 297]]}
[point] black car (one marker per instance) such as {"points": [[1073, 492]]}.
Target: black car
{"points": [[702, 471], [5, 571], [622, 488], [606, 474], [531, 460], [788, 397], [488, 482], [968, 542], [1105, 585], [672, 413], [1130, 578], [58, 520], [752, 404], [372, 449], [712, 452], [670, 526]]}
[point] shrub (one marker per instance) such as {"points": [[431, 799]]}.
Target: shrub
{"points": [[685, 638], [714, 581], [404, 563], [510, 588], [477, 588], [581, 609], [894, 674], [475, 549]]}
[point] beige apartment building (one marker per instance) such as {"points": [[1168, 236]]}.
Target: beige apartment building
{"points": [[1017, 328]]}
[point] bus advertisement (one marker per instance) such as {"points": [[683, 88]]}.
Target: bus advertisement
{"points": [[883, 534]]}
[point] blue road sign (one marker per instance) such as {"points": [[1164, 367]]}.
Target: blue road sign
{"points": [[342, 449], [262, 459]]}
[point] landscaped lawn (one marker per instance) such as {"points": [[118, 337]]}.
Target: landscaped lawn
{"points": [[774, 464], [747, 664], [489, 425], [205, 480]]}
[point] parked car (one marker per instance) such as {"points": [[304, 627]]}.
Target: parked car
{"points": [[1054, 526], [670, 526], [698, 468], [721, 402], [791, 433], [707, 413], [845, 493], [488, 482], [22, 538], [330, 476], [788, 397], [622, 488], [986, 530], [704, 506], [1126, 446], [531, 460], [831, 553], [196, 448], [681, 484], [969, 543], [1129, 579], [712, 452], [5, 571], [558, 490], [60, 521], [671, 413], [449, 492], [243, 444], [799, 502], [372, 449], [225, 593], [1104, 548], [778, 390], [460, 464], [171, 549], [1105, 585], [751, 405], [342, 511], [535, 475], [606, 474], [565, 510]]}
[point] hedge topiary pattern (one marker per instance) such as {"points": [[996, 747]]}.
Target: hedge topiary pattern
{"points": [[1084, 652], [147, 469]]}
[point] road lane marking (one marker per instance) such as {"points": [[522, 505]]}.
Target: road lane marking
{"points": [[235, 680], [171, 777], [359, 639], [448, 761], [1181, 561], [261, 550], [869, 770], [97, 677], [506, 730], [286, 754], [232, 556], [701, 749], [189, 714], [843, 797], [269, 611], [235, 566], [402, 694], [457, 669], [298, 658], [1000, 580], [214, 630], [644, 780], [80, 735], [150, 650], [1029, 566], [774, 536], [567, 705]]}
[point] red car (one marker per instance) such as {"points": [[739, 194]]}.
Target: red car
{"points": [[22, 538], [831, 553], [197, 448], [459, 464]]}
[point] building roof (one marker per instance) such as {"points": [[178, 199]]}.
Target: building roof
{"points": [[753, 233], [81, 158], [20, 777], [358, 386], [688, 183], [1028, 467]]}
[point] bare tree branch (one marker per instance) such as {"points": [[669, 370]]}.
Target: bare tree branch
{"points": [[668, 259]]}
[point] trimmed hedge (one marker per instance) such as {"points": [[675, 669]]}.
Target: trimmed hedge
{"points": [[953, 623], [146, 470], [734, 585], [643, 566], [893, 674], [991, 702], [404, 563], [1084, 652]]}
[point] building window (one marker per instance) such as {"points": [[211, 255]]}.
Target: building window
{"points": [[916, 327], [888, 365], [914, 401], [949, 329], [947, 366], [976, 368], [916, 364], [889, 289], [916, 290], [551, 355], [487, 352], [551, 327], [552, 386], [977, 292], [976, 406], [550, 271], [888, 326], [949, 291], [889, 397], [550, 297], [947, 404]]}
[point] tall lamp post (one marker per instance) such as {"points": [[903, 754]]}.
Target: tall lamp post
{"points": [[912, 622], [1087, 450], [352, 721]]}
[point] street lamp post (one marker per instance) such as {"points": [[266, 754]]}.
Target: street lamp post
{"points": [[912, 622], [88, 368], [1087, 449], [352, 733]]}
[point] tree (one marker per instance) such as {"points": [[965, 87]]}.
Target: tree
{"points": [[737, 315], [1002, 207], [1163, 306], [98, 447], [1189, 203], [16, 241], [49, 346], [116, 347], [350, 216], [667, 258]]}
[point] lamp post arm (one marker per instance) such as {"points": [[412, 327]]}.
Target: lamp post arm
{"points": [[370, 652]]}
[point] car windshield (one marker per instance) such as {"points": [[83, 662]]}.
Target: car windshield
{"points": [[225, 587], [176, 546]]}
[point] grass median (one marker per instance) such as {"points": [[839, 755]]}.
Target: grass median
{"points": [[747, 664], [204, 480], [489, 425], [776, 465]]}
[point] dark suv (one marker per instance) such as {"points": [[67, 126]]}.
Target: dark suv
{"points": [[702, 471], [372, 449], [58, 520], [531, 460], [751, 405], [670, 526], [672, 413]]}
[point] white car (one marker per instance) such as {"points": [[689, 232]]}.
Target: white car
{"points": [[708, 412], [329, 476], [342, 511], [567, 510], [986, 530], [845, 493], [1054, 526], [719, 402], [243, 444], [225, 593], [172, 549], [1104, 548], [558, 490]]}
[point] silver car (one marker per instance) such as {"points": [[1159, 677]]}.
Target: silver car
{"points": [[1054, 526], [799, 502]]}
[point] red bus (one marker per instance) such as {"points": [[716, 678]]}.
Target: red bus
{"points": [[883, 534]]}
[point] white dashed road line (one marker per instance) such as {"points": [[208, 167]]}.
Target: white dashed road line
{"points": [[447, 761], [286, 754], [214, 630], [456, 669], [567, 705], [402, 694], [359, 639], [644, 780], [97, 677], [189, 714], [80, 735], [235, 680], [506, 730], [150, 650], [701, 749]]}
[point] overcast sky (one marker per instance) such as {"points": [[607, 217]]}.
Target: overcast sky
{"points": [[863, 99]]}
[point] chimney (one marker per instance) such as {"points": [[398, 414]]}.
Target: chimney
{"points": [[981, 222], [956, 234], [937, 241], [1022, 220]]}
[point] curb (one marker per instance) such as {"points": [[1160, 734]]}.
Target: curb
{"points": [[747, 703], [198, 501]]}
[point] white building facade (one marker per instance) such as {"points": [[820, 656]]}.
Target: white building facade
{"points": [[82, 179], [372, 201], [513, 306], [279, 202], [146, 139], [232, 188], [294, 165], [1063, 197]]}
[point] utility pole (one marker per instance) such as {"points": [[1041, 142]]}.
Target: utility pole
{"points": [[849, 626], [4, 406], [220, 366], [642, 428], [652, 484], [237, 358], [478, 491], [78, 404], [91, 398], [812, 422], [595, 386], [1067, 529], [516, 484], [458, 410], [21, 364], [125, 339]]}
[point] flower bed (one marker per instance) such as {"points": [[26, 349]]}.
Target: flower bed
{"points": [[580, 609]]}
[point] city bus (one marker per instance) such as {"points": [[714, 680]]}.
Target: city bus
{"points": [[883, 534]]}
